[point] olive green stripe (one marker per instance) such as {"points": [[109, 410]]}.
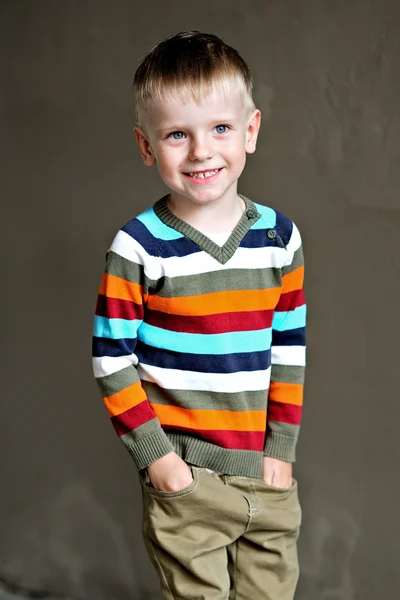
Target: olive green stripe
{"points": [[297, 261], [114, 383], [220, 281], [120, 266], [288, 429], [193, 400], [288, 374], [130, 271]]}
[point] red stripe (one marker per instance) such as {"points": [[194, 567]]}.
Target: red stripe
{"points": [[233, 440], [291, 300], [219, 323], [284, 413], [133, 418], [114, 308]]}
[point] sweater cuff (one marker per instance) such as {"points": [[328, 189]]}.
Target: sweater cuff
{"points": [[282, 447], [146, 450]]}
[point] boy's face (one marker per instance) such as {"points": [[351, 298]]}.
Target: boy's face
{"points": [[200, 149]]}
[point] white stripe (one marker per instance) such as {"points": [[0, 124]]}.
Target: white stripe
{"points": [[127, 247], [202, 262], [244, 258], [293, 244], [107, 365], [288, 355], [175, 379]]}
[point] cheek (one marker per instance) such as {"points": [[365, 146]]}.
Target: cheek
{"points": [[168, 159], [238, 156], [235, 149]]}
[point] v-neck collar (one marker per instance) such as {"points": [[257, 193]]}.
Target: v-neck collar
{"points": [[221, 253]]}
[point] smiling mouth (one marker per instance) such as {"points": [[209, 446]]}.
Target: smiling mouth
{"points": [[203, 174]]}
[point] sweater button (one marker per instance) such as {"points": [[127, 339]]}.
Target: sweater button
{"points": [[271, 234], [251, 214]]}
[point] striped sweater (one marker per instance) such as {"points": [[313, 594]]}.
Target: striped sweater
{"points": [[200, 349]]}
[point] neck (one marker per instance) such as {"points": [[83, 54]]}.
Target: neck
{"points": [[219, 216]]}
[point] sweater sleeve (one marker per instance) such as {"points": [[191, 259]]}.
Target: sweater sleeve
{"points": [[121, 300], [285, 398]]}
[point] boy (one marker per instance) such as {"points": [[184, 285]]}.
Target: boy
{"points": [[199, 338]]}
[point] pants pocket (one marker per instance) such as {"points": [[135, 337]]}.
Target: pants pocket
{"points": [[167, 495], [275, 488]]}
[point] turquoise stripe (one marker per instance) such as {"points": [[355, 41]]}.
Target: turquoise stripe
{"points": [[292, 319], [269, 217], [156, 227], [217, 343], [115, 329]]}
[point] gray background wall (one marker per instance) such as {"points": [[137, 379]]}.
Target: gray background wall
{"points": [[329, 73]]}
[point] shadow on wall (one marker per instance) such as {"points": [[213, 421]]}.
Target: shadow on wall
{"points": [[328, 543], [69, 548], [13, 592]]}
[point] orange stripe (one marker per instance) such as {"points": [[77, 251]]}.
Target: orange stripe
{"points": [[293, 281], [224, 420], [117, 287], [217, 302], [286, 393], [125, 399]]}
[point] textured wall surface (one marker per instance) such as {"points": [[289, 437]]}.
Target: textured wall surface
{"points": [[328, 75]]}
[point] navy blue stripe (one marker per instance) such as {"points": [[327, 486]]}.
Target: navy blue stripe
{"points": [[284, 227], [138, 231], [203, 363], [179, 248], [292, 337], [257, 238], [157, 247], [109, 347]]}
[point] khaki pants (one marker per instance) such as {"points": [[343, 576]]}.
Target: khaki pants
{"points": [[223, 538]]}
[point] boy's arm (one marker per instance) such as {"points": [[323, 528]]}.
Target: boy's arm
{"points": [[119, 314], [285, 398]]}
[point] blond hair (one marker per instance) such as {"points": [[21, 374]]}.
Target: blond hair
{"points": [[189, 64]]}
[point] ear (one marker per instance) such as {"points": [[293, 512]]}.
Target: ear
{"points": [[252, 131], [144, 147]]}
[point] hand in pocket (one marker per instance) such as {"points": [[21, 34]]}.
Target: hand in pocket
{"points": [[277, 473], [170, 473]]}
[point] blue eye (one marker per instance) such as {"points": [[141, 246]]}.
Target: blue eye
{"points": [[177, 135], [221, 128]]}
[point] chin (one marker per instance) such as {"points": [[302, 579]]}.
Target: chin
{"points": [[204, 199]]}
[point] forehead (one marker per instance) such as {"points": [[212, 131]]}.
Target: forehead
{"points": [[221, 101]]}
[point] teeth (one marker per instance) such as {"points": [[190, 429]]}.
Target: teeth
{"points": [[203, 175]]}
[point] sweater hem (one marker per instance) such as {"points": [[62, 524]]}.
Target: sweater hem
{"points": [[282, 447], [150, 448], [197, 452]]}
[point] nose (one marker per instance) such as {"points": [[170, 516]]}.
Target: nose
{"points": [[201, 149]]}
